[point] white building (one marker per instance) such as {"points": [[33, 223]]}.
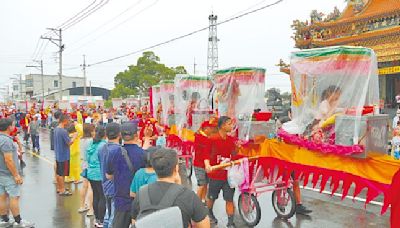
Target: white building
{"points": [[17, 90], [34, 85]]}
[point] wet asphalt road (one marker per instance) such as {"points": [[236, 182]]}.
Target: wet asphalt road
{"points": [[41, 205]]}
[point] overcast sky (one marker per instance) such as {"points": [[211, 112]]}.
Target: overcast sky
{"points": [[123, 26]]}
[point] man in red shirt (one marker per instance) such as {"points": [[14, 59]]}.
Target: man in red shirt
{"points": [[223, 149], [201, 149]]}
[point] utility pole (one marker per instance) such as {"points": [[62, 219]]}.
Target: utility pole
{"points": [[84, 75], [60, 45], [41, 74], [90, 88], [212, 53], [194, 66]]}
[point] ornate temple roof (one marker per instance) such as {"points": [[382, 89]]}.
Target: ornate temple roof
{"points": [[358, 37], [364, 10]]}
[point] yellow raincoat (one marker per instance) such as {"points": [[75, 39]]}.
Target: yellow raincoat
{"points": [[75, 155]]}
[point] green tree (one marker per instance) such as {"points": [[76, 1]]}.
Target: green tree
{"points": [[108, 103], [147, 72]]}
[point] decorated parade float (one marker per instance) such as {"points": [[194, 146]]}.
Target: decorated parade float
{"points": [[336, 138], [191, 101], [167, 103], [335, 98], [239, 94], [155, 100]]}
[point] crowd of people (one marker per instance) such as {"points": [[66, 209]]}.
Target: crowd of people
{"points": [[126, 170]]}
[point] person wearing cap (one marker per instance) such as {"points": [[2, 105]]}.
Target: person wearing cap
{"points": [[223, 149], [201, 149], [121, 168]]}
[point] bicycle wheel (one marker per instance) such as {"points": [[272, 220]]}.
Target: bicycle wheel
{"points": [[249, 209], [189, 168], [284, 203]]}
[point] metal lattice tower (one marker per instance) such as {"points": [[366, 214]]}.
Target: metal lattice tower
{"points": [[212, 55]]}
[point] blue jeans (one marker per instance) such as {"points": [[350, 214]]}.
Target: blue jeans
{"points": [[110, 211], [35, 142]]}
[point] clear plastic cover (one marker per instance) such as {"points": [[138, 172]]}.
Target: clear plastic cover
{"points": [[117, 102], [132, 102], [239, 94], [156, 102], [145, 104], [192, 106], [99, 103], [239, 91], [327, 82], [168, 102]]}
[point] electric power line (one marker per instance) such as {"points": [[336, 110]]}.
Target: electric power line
{"points": [[116, 26], [43, 51], [72, 18], [85, 15], [109, 21], [37, 45], [69, 23], [185, 35], [71, 68], [76, 15], [249, 8], [35, 54]]}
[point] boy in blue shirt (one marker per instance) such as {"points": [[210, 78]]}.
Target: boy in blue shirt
{"points": [[145, 175]]}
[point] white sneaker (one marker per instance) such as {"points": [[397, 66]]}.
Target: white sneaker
{"points": [[4, 224], [23, 224]]}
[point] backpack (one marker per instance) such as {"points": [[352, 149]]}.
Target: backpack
{"points": [[128, 160], [163, 214]]}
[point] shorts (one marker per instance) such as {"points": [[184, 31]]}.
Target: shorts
{"points": [[62, 168], [215, 187], [201, 176], [8, 185]]}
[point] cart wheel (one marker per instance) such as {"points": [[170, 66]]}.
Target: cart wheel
{"points": [[249, 209], [189, 168], [284, 203]]}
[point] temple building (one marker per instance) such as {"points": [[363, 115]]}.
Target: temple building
{"points": [[369, 23]]}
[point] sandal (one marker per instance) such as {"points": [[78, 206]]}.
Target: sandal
{"points": [[65, 193], [66, 189], [83, 209]]}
